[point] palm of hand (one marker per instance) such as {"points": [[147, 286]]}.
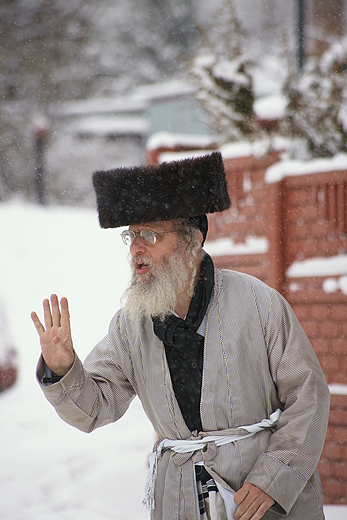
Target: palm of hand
{"points": [[55, 337], [56, 345]]}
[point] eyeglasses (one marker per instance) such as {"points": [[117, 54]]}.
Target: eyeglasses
{"points": [[147, 236]]}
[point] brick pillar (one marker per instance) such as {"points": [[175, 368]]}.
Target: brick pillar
{"points": [[275, 234]]}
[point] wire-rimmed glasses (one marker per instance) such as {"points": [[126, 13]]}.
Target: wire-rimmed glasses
{"points": [[148, 236]]}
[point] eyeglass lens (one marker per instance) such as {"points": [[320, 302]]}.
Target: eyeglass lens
{"points": [[148, 236]]}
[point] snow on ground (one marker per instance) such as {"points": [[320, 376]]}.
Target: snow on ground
{"points": [[48, 469]]}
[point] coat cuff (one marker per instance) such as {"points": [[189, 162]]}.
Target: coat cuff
{"points": [[75, 378], [278, 480]]}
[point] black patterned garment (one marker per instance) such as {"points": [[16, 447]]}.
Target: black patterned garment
{"points": [[184, 352], [184, 347], [211, 505]]}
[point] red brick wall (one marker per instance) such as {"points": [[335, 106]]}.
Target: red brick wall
{"points": [[315, 215], [333, 463], [301, 217], [253, 213]]}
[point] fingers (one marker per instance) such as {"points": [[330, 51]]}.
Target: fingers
{"points": [[38, 325], [247, 511], [241, 494], [47, 316], [55, 311], [65, 315], [242, 500], [253, 503], [254, 511], [52, 316]]}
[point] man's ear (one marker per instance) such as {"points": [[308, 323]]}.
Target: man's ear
{"points": [[201, 238]]}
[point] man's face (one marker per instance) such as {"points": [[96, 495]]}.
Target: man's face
{"points": [[145, 256], [160, 272]]}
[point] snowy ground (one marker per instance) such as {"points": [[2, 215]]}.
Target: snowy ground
{"points": [[48, 469]]}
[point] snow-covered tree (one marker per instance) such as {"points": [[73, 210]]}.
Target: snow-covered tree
{"points": [[222, 73], [317, 107], [58, 50]]}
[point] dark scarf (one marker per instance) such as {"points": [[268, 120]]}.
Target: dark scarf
{"points": [[184, 347]]}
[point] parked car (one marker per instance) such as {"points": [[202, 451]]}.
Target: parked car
{"points": [[8, 355]]}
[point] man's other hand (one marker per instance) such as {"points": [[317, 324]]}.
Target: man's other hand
{"points": [[252, 501], [55, 337]]}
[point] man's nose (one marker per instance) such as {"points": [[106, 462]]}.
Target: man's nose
{"points": [[137, 246]]}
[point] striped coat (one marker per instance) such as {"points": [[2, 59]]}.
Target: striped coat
{"points": [[256, 359]]}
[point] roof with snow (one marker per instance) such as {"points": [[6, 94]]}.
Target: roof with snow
{"points": [[171, 140], [111, 126], [136, 101]]}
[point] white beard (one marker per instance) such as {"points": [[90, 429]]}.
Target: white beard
{"points": [[155, 293]]}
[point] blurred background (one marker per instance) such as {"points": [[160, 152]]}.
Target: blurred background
{"points": [[84, 85], [88, 85]]}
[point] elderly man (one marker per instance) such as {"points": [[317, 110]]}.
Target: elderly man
{"points": [[218, 359]]}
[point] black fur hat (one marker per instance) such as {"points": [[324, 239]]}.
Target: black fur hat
{"points": [[177, 189]]}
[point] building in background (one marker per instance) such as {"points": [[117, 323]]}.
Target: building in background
{"points": [[104, 133]]}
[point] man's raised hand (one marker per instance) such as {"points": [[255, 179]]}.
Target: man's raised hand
{"points": [[55, 336]]}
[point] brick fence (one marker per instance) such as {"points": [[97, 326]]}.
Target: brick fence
{"points": [[294, 220]]}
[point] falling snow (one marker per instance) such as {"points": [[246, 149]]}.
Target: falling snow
{"points": [[49, 469]]}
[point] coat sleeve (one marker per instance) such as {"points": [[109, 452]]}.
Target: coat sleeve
{"points": [[99, 391], [295, 447]]}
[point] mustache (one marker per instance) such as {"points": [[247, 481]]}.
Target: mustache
{"points": [[140, 262], [140, 259]]}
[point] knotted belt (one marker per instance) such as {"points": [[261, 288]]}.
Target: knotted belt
{"points": [[189, 446]]}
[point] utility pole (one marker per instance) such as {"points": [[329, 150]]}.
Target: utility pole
{"points": [[41, 133], [301, 40]]}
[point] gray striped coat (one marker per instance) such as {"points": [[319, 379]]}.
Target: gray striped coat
{"points": [[256, 359]]}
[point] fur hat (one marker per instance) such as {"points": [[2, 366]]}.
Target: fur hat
{"points": [[177, 189]]}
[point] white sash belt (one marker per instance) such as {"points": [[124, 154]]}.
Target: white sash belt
{"points": [[192, 445]]}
